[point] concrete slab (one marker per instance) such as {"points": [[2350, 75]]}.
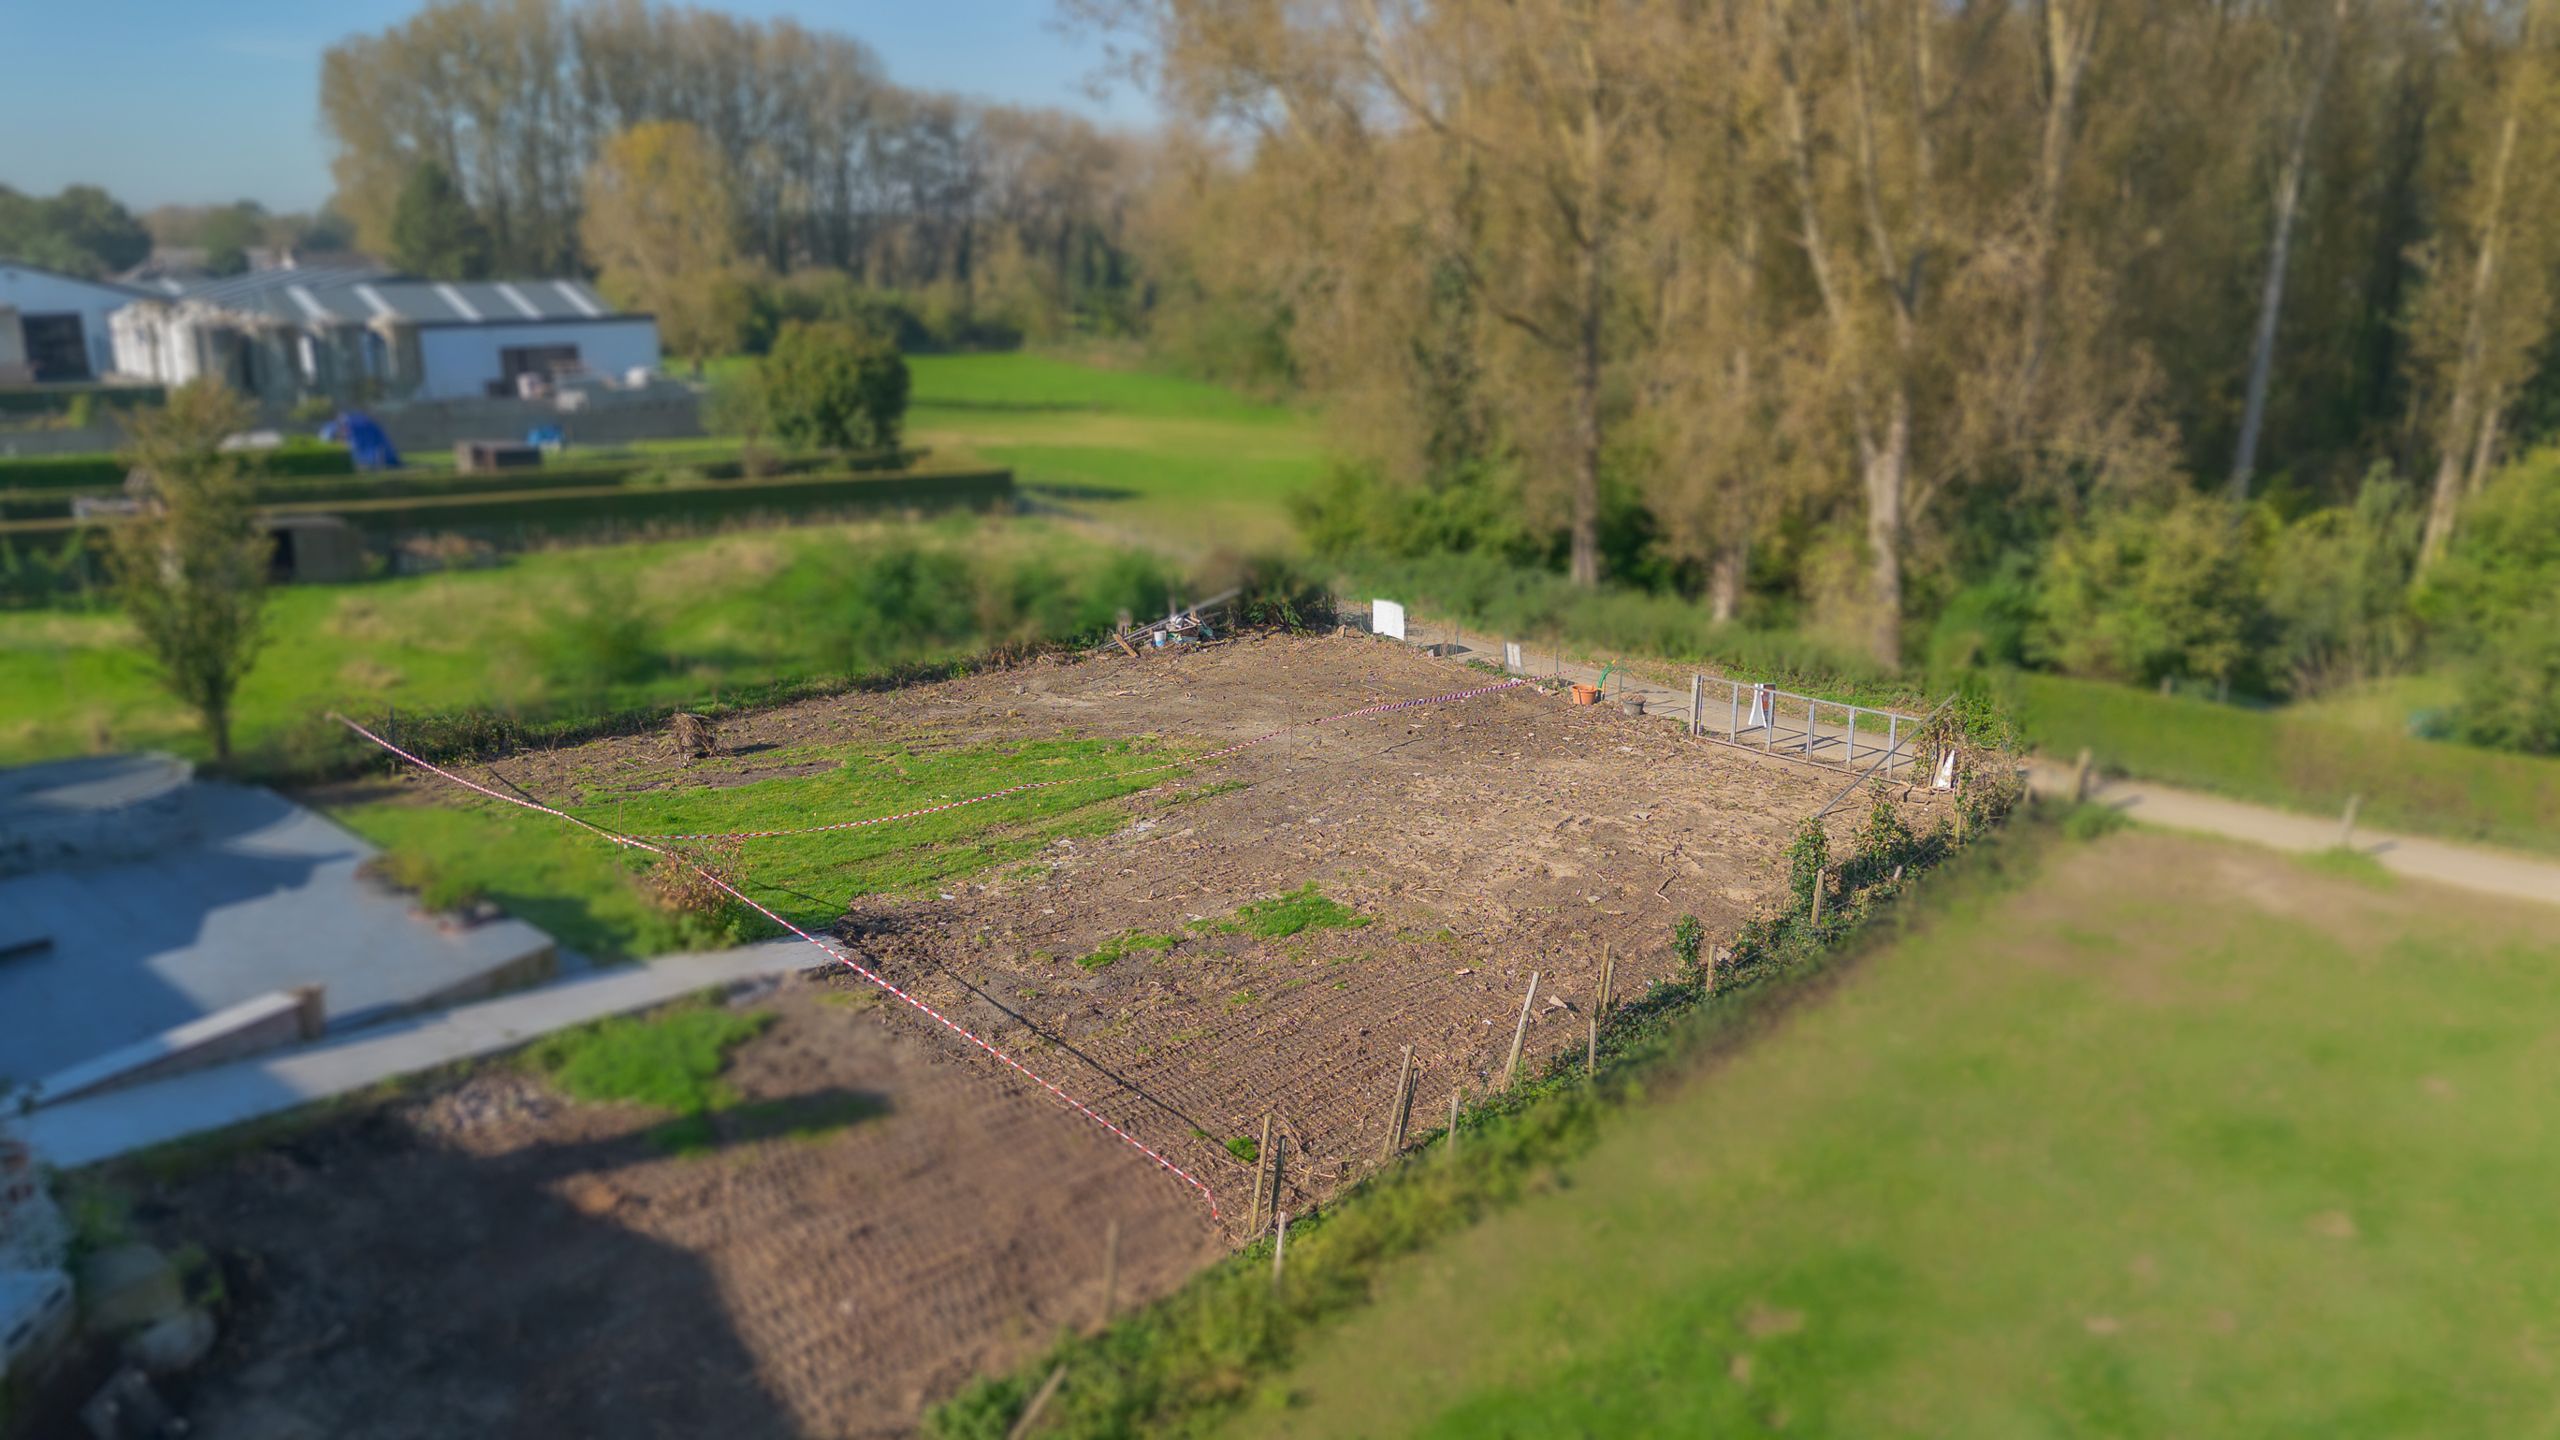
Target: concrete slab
{"points": [[253, 895], [120, 1122]]}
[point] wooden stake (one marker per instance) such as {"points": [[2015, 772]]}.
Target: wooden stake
{"points": [[2080, 777], [1608, 979], [2347, 829], [1821, 882], [1396, 1113], [1279, 1249], [1715, 962], [1261, 1167], [1697, 702], [1110, 1268], [1039, 1398], [1591, 1048], [1456, 1093], [1520, 1032]]}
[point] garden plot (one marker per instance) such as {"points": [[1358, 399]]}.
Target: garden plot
{"points": [[1262, 935]]}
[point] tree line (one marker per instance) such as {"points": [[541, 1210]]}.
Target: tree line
{"points": [[1857, 309], [466, 137]]}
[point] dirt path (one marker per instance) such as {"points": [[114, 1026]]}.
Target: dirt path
{"points": [[2467, 867]]}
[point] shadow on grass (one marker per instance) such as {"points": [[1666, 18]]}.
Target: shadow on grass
{"points": [[813, 1116]]}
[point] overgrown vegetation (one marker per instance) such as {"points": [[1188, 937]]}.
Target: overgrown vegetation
{"points": [[465, 660]]}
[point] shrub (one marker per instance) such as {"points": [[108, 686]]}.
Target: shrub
{"points": [[2337, 585], [835, 385], [2154, 593]]}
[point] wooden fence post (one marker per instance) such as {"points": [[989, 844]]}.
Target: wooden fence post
{"points": [[1261, 1166], [1821, 882], [1520, 1032], [2080, 777], [2347, 828], [1591, 1047], [1608, 979], [1697, 702], [1039, 1400], [1456, 1093], [1279, 1249], [1403, 1103]]}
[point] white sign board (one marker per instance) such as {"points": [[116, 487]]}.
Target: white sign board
{"points": [[1386, 617], [1946, 772], [1511, 657]]}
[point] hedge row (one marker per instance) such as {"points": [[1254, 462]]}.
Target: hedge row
{"points": [[2427, 786], [300, 460], [296, 486]]}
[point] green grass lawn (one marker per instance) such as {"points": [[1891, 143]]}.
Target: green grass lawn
{"points": [[592, 896], [583, 630], [1177, 462], [2183, 1139]]}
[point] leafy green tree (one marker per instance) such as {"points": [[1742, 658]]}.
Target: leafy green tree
{"points": [[2337, 587], [2489, 605], [2156, 592], [191, 568], [434, 230], [835, 386], [82, 231], [228, 233]]}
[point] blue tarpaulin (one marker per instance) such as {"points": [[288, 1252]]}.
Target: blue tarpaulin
{"points": [[364, 438]]}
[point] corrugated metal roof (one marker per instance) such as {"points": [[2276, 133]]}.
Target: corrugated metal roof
{"points": [[354, 296]]}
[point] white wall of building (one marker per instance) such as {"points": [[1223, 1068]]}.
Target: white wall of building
{"points": [[155, 341], [41, 292], [461, 360]]}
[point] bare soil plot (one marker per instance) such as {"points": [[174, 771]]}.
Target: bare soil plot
{"points": [[493, 1260]]}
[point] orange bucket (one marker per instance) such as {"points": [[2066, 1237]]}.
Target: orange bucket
{"points": [[1585, 694]]}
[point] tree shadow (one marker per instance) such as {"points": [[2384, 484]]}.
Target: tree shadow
{"points": [[384, 1283]]}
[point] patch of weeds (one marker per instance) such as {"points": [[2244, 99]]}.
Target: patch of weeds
{"points": [[2090, 821], [1304, 908], [199, 1276], [1688, 937], [1120, 947], [1185, 797], [1241, 999], [1028, 874], [2348, 863], [1244, 1148], [669, 1061], [98, 1214]]}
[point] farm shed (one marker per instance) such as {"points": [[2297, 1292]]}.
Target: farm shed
{"points": [[280, 336], [54, 327]]}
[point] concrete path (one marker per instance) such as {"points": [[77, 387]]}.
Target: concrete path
{"points": [[2468, 867], [120, 1122]]}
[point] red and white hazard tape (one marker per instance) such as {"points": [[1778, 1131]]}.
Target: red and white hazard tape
{"points": [[1211, 757], [831, 951]]}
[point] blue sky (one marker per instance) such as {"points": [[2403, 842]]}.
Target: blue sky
{"points": [[192, 101]]}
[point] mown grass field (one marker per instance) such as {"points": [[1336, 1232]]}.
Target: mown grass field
{"points": [[2184, 1138], [594, 630], [1176, 462], [592, 896]]}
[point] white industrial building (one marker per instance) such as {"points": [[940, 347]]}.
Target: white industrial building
{"points": [[55, 327], [357, 335]]}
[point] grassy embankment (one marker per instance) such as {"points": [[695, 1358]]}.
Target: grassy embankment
{"points": [[585, 631]]}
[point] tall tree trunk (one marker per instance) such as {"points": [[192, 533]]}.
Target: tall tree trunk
{"points": [[2262, 345], [2064, 54], [2462, 405], [2485, 453], [1586, 425], [1888, 468], [1725, 579]]}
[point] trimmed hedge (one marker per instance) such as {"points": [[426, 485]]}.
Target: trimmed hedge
{"points": [[56, 399], [2424, 786], [296, 460]]}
